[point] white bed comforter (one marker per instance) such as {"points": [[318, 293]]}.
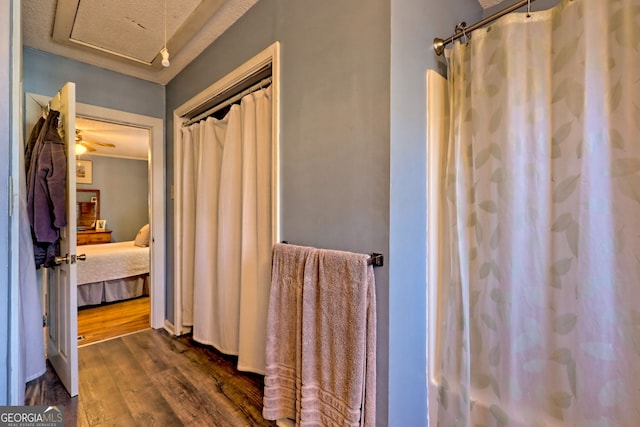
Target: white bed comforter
{"points": [[110, 261]]}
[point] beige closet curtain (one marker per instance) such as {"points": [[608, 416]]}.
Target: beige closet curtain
{"points": [[542, 311], [227, 229]]}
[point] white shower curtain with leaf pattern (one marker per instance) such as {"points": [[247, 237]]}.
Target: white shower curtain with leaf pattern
{"points": [[227, 230], [541, 317]]}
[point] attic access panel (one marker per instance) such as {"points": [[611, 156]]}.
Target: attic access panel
{"points": [[131, 29]]}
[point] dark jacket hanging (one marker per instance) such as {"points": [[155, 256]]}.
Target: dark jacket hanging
{"points": [[31, 143], [46, 184]]}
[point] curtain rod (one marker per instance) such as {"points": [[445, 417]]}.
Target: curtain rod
{"points": [[462, 29], [235, 98]]}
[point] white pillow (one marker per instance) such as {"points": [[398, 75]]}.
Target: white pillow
{"points": [[142, 238]]}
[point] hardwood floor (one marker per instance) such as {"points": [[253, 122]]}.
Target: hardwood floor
{"points": [[152, 378], [112, 320]]}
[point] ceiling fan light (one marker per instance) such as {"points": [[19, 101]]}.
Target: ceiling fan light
{"points": [[80, 149]]}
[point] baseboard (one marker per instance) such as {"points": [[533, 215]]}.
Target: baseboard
{"points": [[170, 328]]}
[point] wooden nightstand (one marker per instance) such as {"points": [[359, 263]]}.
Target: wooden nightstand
{"points": [[92, 237]]}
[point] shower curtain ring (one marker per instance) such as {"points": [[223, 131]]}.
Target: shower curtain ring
{"points": [[461, 27]]}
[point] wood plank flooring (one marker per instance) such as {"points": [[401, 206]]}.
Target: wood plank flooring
{"points": [[152, 378], [113, 320]]}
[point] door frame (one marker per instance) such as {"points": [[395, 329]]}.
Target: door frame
{"points": [[437, 130], [12, 384], [157, 179]]}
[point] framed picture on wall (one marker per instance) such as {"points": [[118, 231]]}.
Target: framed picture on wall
{"points": [[84, 172], [101, 225]]}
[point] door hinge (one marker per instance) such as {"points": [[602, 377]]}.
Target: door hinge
{"points": [[45, 320]]}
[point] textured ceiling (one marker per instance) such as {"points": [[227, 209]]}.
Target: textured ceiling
{"points": [[127, 35]]}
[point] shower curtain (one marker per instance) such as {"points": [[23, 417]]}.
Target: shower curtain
{"points": [[541, 319], [227, 231]]}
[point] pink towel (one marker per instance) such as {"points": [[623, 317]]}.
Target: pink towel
{"points": [[321, 338], [284, 319], [338, 340]]}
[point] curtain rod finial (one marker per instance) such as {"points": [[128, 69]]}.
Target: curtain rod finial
{"points": [[438, 46]]}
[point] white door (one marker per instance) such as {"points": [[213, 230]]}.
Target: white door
{"points": [[61, 281]]}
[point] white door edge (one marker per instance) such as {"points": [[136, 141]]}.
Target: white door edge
{"points": [[14, 381]]}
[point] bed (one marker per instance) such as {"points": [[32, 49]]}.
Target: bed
{"points": [[112, 272]]}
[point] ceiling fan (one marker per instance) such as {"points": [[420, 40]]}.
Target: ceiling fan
{"points": [[83, 146]]}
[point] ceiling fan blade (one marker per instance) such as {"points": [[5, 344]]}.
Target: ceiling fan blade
{"points": [[82, 141], [89, 149], [103, 144]]}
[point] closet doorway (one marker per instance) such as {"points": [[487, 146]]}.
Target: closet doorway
{"points": [[226, 209]]}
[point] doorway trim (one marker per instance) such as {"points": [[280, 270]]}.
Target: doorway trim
{"points": [[11, 381], [437, 134], [157, 214], [190, 109], [156, 175]]}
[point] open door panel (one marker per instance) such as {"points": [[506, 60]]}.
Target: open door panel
{"points": [[60, 282]]}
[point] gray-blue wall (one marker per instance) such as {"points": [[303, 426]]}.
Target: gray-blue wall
{"points": [[353, 157], [414, 24], [124, 194], [334, 151], [45, 74]]}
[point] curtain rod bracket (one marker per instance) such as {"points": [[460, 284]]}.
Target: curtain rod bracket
{"points": [[376, 259]]}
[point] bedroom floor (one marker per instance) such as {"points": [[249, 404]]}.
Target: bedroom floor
{"points": [[112, 320], [152, 378]]}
